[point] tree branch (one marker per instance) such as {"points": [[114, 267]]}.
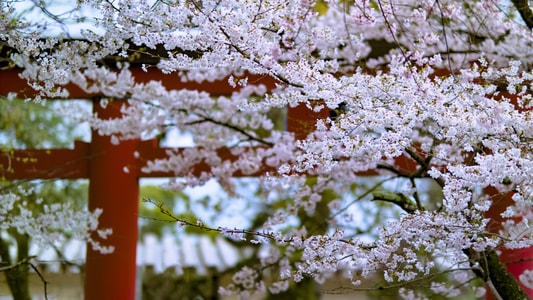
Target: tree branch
{"points": [[415, 195], [225, 231], [501, 283], [525, 11], [45, 283], [23, 261], [235, 128], [504, 282], [396, 198]]}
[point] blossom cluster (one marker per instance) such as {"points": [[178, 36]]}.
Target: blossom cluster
{"points": [[444, 85], [51, 226]]}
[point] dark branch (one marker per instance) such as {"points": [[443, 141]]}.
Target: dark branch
{"points": [[45, 283], [396, 198], [235, 128], [504, 282], [23, 261], [525, 11]]}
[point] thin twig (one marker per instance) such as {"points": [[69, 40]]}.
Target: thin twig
{"points": [[45, 283], [404, 283], [21, 262], [415, 194], [226, 231], [368, 192], [445, 36], [235, 128], [241, 51]]}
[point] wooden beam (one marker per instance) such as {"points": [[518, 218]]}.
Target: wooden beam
{"points": [[46, 163], [12, 83], [112, 276]]}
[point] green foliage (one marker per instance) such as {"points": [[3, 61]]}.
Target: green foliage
{"points": [[151, 219], [277, 116], [154, 221], [187, 286], [306, 289], [6, 62], [321, 7], [33, 125]]}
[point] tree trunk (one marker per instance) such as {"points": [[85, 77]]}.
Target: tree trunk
{"points": [[17, 277], [493, 270], [504, 282]]}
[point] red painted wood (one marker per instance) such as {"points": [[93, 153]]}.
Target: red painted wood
{"points": [[301, 120], [75, 163], [46, 163], [11, 82], [112, 276]]}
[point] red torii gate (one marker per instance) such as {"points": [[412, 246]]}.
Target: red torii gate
{"points": [[116, 191]]}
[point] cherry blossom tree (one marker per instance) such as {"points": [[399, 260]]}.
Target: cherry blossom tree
{"points": [[445, 84]]}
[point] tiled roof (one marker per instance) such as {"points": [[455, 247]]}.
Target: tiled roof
{"points": [[162, 253]]}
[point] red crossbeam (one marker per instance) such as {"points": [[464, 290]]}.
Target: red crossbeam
{"points": [[75, 163], [11, 82]]}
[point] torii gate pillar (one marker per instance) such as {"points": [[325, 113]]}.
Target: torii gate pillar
{"points": [[112, 276]]}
